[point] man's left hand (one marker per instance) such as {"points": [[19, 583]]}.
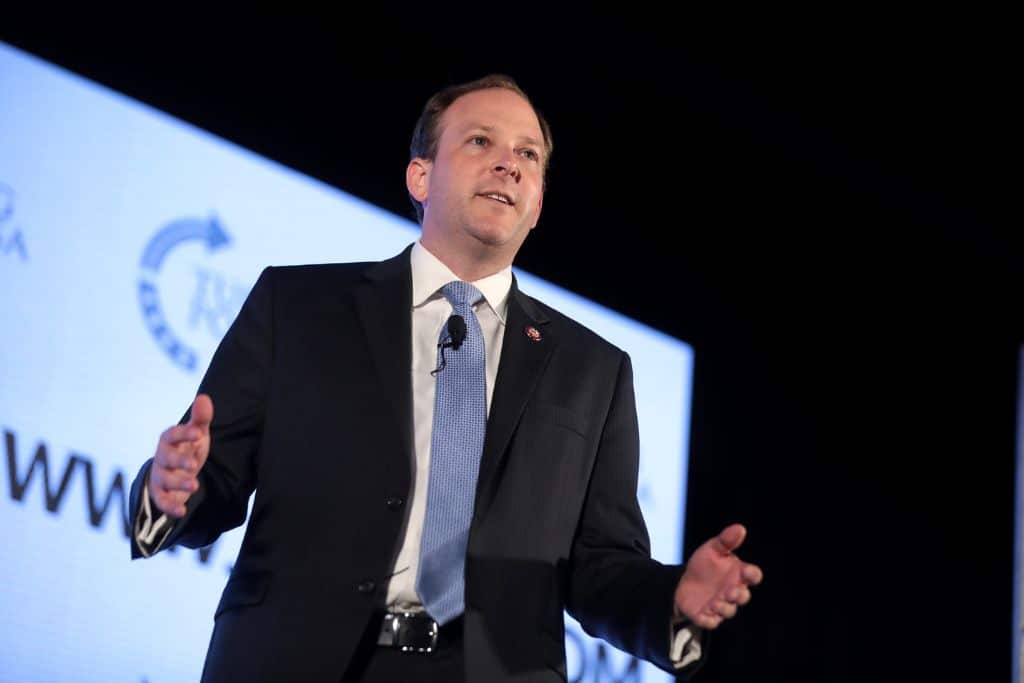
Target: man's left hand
{"points": [[716, 582]]}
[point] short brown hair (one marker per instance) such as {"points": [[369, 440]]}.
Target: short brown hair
{"points": [[426, 134]]}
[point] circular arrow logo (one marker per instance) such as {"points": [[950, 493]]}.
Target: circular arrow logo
{"points": [[207, 231]]}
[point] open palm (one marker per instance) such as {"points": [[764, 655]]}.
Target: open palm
{"points": [[716, 581]]}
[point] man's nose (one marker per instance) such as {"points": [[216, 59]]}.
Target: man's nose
{"points": [[506, 165]]}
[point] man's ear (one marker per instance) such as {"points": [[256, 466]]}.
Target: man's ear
{"points": [[417, 178]]}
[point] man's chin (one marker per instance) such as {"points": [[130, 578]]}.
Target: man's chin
{"points": [[495, 236]]}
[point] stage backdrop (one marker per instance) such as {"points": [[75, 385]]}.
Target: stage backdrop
{"points": [[128, 241]]}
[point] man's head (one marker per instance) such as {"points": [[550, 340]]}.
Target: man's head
{"points": [[476, 175], [427, 131]]}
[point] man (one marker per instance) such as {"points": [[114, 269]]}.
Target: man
{"points": [[441, 463]]}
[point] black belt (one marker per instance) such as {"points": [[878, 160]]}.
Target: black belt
{"points": [[417, 632]]}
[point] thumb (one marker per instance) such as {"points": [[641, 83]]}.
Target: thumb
{"points": [[202, 412], [731, 538]]}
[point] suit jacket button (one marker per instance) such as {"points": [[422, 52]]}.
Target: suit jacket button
{"points": [[395, 503], [367, 586]]}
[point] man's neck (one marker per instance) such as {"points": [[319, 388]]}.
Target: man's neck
{"points": [[468, 267]]}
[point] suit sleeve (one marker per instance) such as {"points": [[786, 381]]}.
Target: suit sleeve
{"points": [[616, 591], [237, 381]]}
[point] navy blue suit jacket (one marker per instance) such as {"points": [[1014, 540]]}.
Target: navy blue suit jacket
{"points": [[313, 410]]}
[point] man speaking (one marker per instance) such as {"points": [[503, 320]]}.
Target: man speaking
{"points": [[442, 464]]}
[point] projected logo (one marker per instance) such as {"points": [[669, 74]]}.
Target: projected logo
{"points": [[183, 327], [12, 240]]}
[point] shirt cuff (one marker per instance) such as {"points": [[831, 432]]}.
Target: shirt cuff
{"points": [[684, 645], [150, 534]]}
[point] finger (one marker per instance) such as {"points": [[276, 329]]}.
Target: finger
{"points": [[202, 413], [708, 621], [731, 538], [177, 480], [739, 595], [181, 434], [724, 609], [169, 477], [173, 503], [183, 456], [751, 574]]}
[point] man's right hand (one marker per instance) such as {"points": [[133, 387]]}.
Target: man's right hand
{"points": [[180, 455]]}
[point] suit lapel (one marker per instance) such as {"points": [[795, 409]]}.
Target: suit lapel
{"points": [[523, 360], [384, 302]]}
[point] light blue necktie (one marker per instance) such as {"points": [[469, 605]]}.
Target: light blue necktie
{"points": [[456, 444]]}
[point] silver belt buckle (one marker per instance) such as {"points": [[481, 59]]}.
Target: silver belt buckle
{"points": [[409, 632]]}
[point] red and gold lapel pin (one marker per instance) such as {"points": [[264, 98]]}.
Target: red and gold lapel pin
{"points": [[533, 333]]}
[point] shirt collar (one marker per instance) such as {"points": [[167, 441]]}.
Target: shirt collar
{"points": [[429, 275]]}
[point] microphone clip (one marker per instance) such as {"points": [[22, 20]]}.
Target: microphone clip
{"points": [[456, 335]]}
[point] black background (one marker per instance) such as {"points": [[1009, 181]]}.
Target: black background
{"points": [[820, 205]]}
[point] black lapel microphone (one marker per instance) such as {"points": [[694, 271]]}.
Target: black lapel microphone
{"points": [[456, 331], [456, 335]]}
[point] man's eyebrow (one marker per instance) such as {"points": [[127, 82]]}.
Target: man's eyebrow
{"points": [[489, 129]]}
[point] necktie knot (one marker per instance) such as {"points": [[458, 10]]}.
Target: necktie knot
{"points": [[461, 293]]}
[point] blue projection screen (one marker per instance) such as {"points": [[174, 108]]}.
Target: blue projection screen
{"points": [[128, 241]]}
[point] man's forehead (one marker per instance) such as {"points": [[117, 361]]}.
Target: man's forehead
{"points": [[493, 111]]}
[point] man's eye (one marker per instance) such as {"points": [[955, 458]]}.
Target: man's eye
{"points": [[478, 140], [530, 154]]}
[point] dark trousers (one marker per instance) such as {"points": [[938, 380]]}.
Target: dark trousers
{"points": [[375, 664]]}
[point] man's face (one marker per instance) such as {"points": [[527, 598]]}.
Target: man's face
{"points": [[483, 191]]}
